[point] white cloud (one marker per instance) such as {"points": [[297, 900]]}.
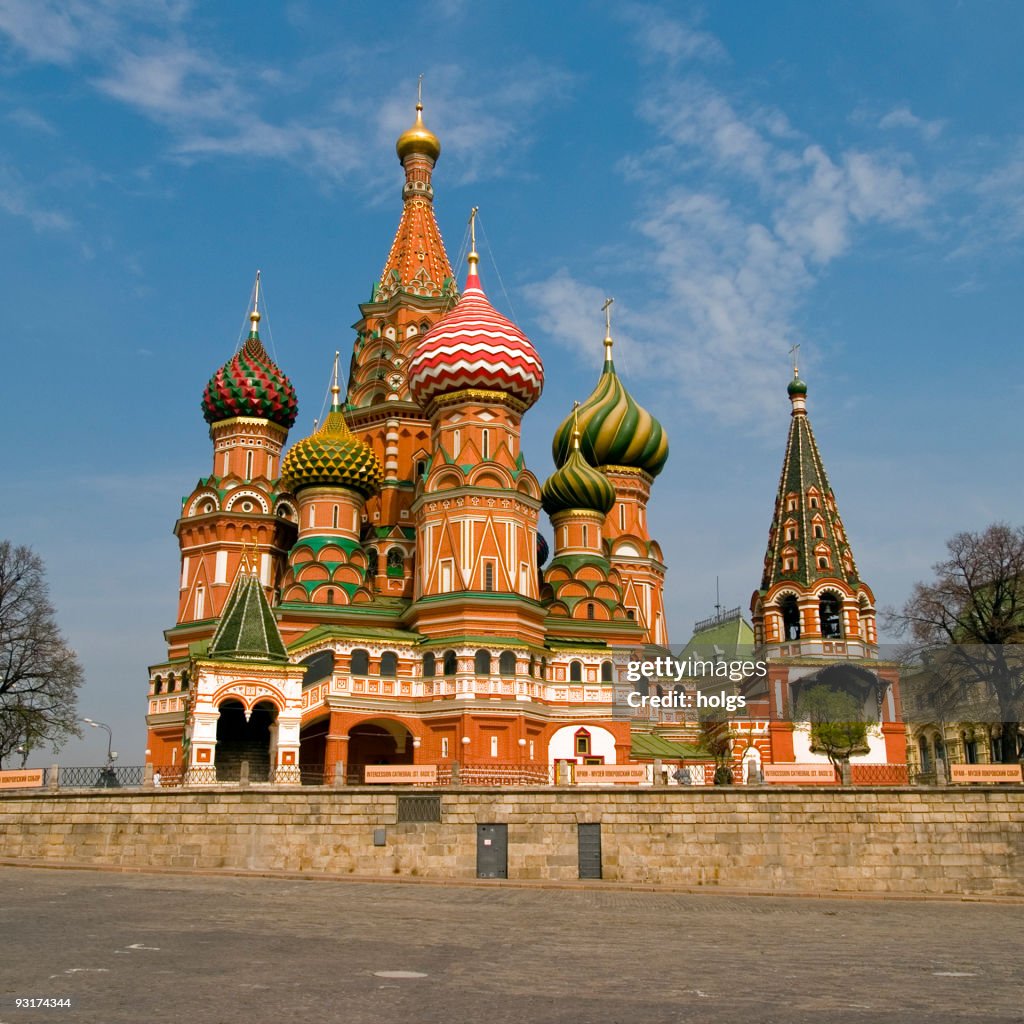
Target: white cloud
{"points": [[663, 38], [740, 213], [33, 121], [17, 199], [903, 117]]}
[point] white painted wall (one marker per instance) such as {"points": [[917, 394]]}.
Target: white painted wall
{"points": [[563, 744], [802, 747]]}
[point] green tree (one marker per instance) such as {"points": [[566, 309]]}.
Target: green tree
{"points": [[39, 674], [838, 726], [967, 630], [716, 737]]}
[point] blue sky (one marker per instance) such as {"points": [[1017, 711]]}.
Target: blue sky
{"points": [[741, 177]]}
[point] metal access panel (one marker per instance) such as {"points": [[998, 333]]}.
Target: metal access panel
{"points": [[492, 851], [589, 837]]}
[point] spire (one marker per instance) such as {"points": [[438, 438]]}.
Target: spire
{"points": [[473, 259], [254, 316], [417, 263], [335, 387], [247, 630], [807, 541], [607, 307]]}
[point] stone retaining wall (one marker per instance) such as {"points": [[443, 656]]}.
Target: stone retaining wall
{"points": [[912, 840]]}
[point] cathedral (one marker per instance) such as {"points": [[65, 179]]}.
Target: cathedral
{"points": [[381, 593]]}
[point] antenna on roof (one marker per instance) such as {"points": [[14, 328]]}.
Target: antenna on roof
{"points": [[718, 599]]}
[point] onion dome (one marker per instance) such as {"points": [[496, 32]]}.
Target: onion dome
{"points": [[250, 384], [418, 139], [614, 429], [796, 387], [542, 550], [332, 456], [475, 347], [576, 485]]}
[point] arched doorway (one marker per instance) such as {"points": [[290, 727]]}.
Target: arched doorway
{"points": [[380, 741], [241, 740]]}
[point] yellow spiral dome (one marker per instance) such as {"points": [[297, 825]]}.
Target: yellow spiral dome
{"points": [[332, 456]]}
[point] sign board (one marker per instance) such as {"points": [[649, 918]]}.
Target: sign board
{"points": [[398, 773], [800, 774], [616, 773], [984, 773], [23, 778]]}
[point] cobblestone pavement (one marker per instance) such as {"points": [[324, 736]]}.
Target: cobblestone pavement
{"points": [[235, 950]]}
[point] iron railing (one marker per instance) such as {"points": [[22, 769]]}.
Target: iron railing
{"points": [[108, 777]]}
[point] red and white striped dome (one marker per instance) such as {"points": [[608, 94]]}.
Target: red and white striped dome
{"points": [[474, 346]]}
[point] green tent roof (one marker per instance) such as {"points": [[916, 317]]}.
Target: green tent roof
{"points": [[247, 630]]}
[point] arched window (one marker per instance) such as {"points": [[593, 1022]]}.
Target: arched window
{"points": [[372, 562], [576, 672], [158, 686], [590, 609], [606, 672], [830, 611], [421, 468], [389, 664], [330, 597], [582, 746], [429, 665], [544, 667], [396, 561], [507, 663], [360, 662], [819, 531], [533, 665], [790, 618], [925, 750], [482, 663], [451, 663]]}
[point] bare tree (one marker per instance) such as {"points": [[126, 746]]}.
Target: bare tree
{"points": [[39, 674], [967, 630]]}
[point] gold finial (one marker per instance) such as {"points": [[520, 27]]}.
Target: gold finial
{"points": [[795, 353], [255, 558], [474, 257], [254, 316], [418, 138], [607, 309], [335, 388], [575, 426]]}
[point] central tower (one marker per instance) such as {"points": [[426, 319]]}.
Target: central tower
{"points": [[416, 288]]}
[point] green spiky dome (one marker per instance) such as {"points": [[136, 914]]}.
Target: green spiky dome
{"points": [[250, 384], [332, 457], [577, 485], [614, 429]]}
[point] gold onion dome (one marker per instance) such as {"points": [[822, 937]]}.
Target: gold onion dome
{"points": [[332, 456], [614, 429], [418, 139], [577, 486]]}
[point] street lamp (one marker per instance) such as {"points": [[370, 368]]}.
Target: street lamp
{"points": [[111, 754]]}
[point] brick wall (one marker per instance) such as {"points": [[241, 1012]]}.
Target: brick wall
{"points": [[912, 840]]}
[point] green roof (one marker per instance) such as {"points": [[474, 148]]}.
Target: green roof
{"points": [[648, 745], [247, 630]]}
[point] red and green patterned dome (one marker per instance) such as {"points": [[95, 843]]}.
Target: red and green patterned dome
{"points": [[250, 384]]}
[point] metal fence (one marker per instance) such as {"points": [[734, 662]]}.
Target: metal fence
{"points": [[109, 777]]}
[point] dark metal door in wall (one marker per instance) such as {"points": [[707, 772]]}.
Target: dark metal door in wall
{"points": [[589, 837], [492, 851]]}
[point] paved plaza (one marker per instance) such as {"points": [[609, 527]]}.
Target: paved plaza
{"points": [[137, 948]]}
